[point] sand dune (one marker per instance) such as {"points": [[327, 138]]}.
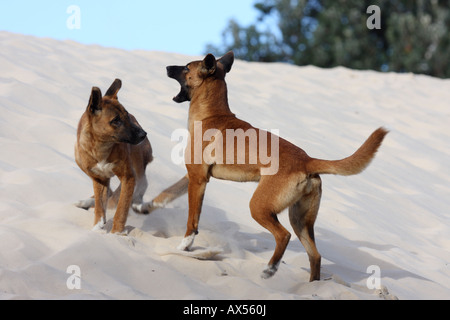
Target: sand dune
{"points": [[394, 216]]}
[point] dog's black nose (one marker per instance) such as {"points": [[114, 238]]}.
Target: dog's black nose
{"points": [[138, 136], [142, 135]]}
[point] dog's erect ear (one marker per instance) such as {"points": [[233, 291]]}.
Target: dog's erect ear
{"points": [[95, 100], [209, 65], [227, 61], [114, 89]]}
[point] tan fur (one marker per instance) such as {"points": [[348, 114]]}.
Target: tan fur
{"points": [[354, 164], [296, 185], [171, 193], [111, 142]]}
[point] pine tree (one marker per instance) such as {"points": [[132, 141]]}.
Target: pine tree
{"points": [[414, 35]]}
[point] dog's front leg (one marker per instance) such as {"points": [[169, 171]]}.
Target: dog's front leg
{"points": [[196, 192], [101, 189], [125, 199]]}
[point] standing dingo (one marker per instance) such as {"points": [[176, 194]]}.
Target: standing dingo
{"points": [[111, 142], [295, 184]]}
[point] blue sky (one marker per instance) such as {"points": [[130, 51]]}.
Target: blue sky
{"points": [[165, 25]]}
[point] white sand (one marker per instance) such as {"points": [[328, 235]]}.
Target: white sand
{"points": [[395, 215]]}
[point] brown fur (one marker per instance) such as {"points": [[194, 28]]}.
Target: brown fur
{"points": [[296, 185], [111, 142]]}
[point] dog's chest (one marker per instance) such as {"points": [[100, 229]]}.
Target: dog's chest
{"points": [[104, 169]]}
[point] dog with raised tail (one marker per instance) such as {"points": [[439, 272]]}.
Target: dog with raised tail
{"points": [[295, 184]]}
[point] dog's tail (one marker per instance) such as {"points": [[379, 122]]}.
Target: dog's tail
{"points": [[352, 165]]}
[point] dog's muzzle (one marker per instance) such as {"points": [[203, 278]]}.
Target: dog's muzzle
{"points": [[136, 136], [176, 73]]}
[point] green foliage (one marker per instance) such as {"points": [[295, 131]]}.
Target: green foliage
{"points": [[414, 35]]}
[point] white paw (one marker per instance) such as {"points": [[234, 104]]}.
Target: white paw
{"points": [[186, 243], [137, 208], [269, 271], [85, 204], [123, 233], [99, 226], [144, 208]]}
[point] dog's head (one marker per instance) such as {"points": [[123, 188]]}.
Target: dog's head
{"points": [[109, 120], [194, 74]]}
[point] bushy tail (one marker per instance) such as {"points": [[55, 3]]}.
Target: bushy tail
{"points": [[354, 164]]}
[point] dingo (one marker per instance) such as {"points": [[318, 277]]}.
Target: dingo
{"points": [[111, 142], [296, 184]]}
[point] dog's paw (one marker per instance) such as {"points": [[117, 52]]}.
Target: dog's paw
{"points": [[123, 233], [99, 226], [139, 208], [85, 204], [186, 243], [143, 208], [269, 271]]}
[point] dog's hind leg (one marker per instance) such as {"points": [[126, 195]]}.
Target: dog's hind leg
{"points": [[139, 190], [260, 207], [113, 197], [138, 205], [302, 216], [282, 237]]}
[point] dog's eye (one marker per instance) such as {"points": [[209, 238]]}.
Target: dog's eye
{"points": [[186, 69], [116, 122]]}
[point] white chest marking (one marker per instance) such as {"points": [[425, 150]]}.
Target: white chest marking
{"points": [[104, 169]]}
